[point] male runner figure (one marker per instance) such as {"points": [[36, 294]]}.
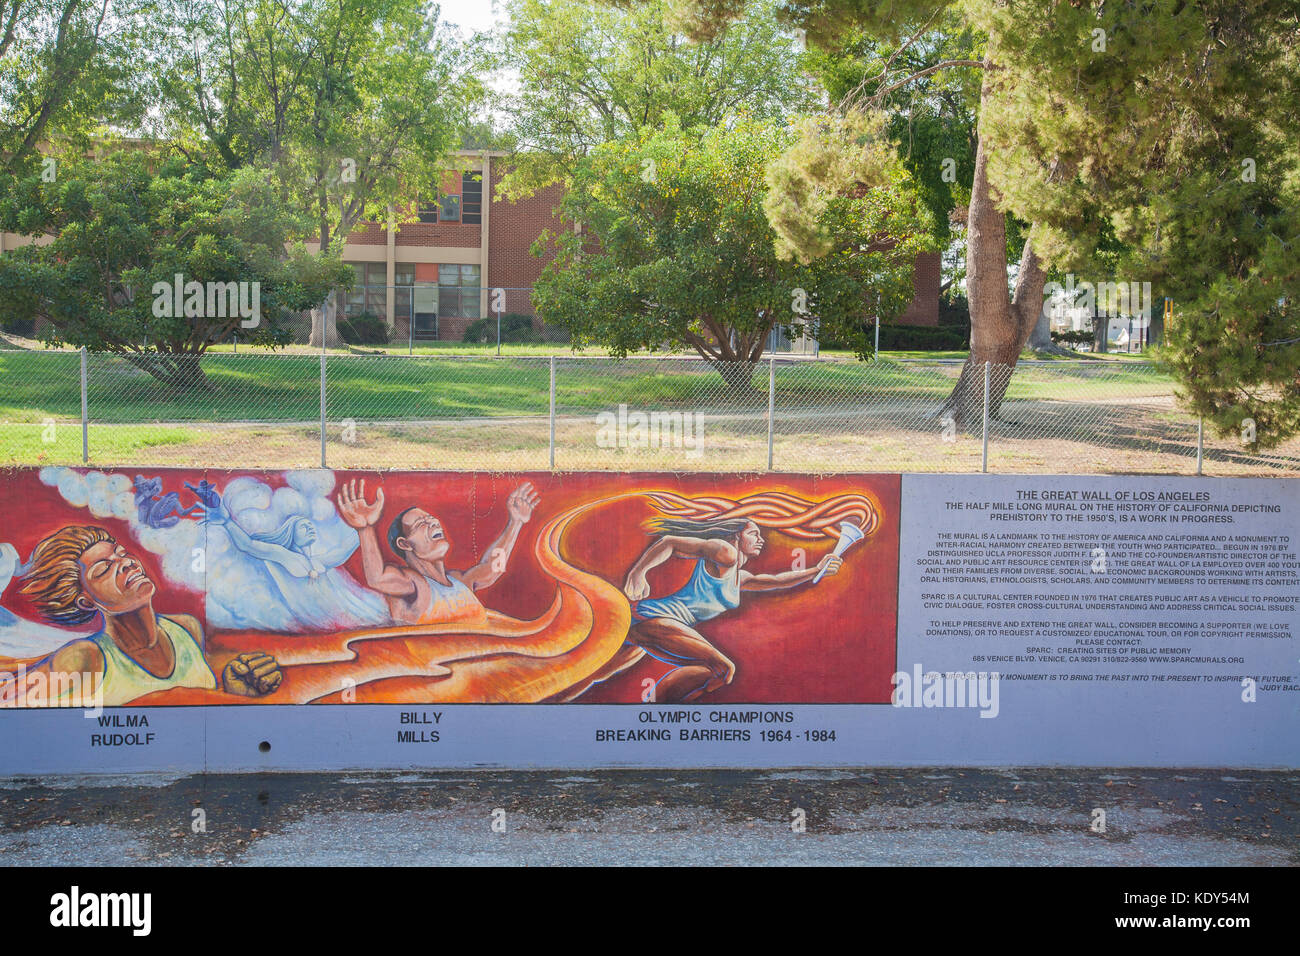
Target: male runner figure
{"points": [[423, 590]]}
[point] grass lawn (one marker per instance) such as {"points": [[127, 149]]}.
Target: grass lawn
{"points": [[481, 412], [257, 386], [59, 443]]}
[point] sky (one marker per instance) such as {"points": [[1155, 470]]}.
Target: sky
{"points": [[473, 15]]}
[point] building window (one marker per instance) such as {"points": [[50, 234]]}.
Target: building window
{"points": [[445, 209], [369, 292], [458, 291], [471, 190], [404, 280]]}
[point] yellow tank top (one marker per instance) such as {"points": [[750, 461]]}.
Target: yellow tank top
{"points": [[124, 680]]}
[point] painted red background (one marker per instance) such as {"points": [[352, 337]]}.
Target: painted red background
{"points": [[833, 642]]}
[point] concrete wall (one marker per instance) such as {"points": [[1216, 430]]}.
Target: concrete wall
{"points": [[980, 620]]}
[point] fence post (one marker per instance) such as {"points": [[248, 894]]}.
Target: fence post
{"points": [[498, 333], [322, 409], [552, 413], [988, 369], [875, 349], [85, 412], [1200, 442], [771, 405]]}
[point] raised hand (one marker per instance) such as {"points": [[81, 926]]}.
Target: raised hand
{"points": [[254, 674], [353, 507], [522, 501]]}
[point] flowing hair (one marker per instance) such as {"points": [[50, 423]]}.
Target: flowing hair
{"points": [[776, 510], [690, 528]]}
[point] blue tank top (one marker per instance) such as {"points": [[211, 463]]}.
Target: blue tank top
{"points": [[703, 597]]}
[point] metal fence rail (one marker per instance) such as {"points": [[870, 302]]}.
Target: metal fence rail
{"points": [[660, 413]]}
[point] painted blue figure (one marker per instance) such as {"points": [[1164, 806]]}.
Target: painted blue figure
{"points": [[156, 509], [206, 492], [299, 587]]}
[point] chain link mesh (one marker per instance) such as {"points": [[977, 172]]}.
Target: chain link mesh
{"points": [[661, 413]]}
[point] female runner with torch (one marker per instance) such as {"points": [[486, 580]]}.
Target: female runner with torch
{"points": [[665, 627]]}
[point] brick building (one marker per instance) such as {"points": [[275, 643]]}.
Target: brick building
{"points": [[431, 278], [927, 279], [443, 271]]}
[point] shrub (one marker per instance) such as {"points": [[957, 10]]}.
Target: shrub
{"points": [[1074, 337], [364, 329], [515, 327], [915, 338]]}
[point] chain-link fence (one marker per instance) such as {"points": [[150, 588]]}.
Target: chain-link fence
{"points": [[671, 413]]}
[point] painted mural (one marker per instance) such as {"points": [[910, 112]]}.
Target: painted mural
{"points": [[191, 587]]}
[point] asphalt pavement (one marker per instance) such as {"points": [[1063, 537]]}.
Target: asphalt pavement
{"points": [[891, 817]]}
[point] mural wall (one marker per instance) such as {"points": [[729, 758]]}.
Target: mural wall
{"points": [[194, 587]]}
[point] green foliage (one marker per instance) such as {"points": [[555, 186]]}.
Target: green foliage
{"points": [[351, 105], [1074, 336], [68, 68], [515, 327], [118, 227], [1179, 140], [1149, 141], [676, 248], [364, 329], [913, 338], [954, 311], [932, 120], [590, 72]]}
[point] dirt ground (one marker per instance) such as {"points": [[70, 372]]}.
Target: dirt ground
{"points": [[1038, 437]]}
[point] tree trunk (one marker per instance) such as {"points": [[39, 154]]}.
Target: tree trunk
{"points": [[1100, 331], [738, 374], [1040, 337], [189, 371], [994, 330], [1000, 326], [182, 370], [324, 320]]}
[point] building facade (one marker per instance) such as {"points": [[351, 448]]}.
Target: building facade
{"points": [[466, 256]]}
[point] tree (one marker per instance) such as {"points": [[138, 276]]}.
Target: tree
{"points": [[676, 247], [1181, 133], [1127, 118], [353, 105], [129, 244], [590, 73], [66, 68]]}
